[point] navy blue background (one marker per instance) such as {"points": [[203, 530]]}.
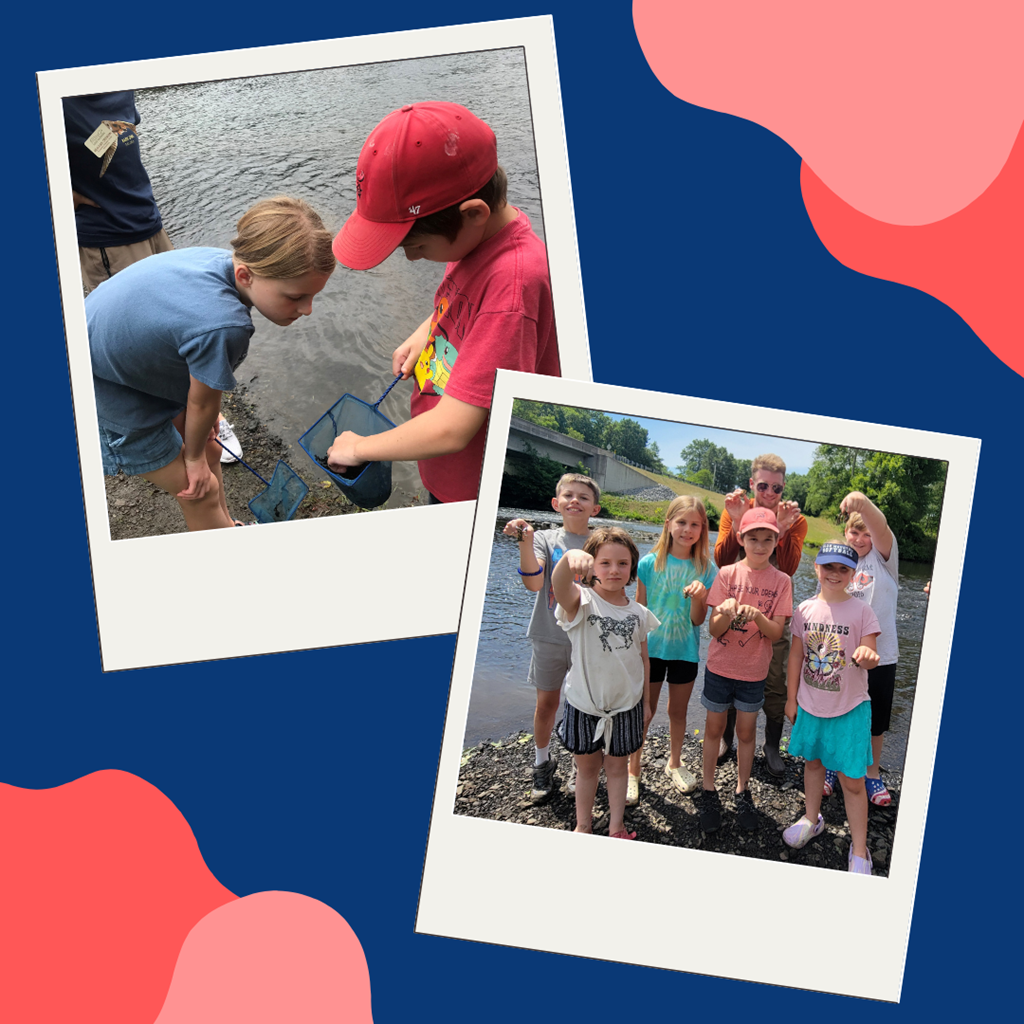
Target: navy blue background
{"points": [[693, 240]]}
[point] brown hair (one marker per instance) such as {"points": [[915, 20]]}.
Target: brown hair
{"points": [[772, 463], [579, 478], [282, 238], [613, 535], [448, 222], [856, 520], [699, 552]]}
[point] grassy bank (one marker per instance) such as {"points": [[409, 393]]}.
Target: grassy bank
{"points": [[616, 506]]}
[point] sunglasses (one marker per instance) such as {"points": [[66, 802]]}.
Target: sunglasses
{"points": [[777, 488]]}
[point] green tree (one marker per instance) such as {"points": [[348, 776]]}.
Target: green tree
{"points": [[627, 438]]}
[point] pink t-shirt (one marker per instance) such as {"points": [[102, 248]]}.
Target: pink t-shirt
{"points": [[744, 652], [492, 311], [830, 684]]}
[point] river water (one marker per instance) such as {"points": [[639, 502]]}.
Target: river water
{"points": [[212, 149], [502, 702]]}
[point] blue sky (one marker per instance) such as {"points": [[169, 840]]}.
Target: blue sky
{"points": [[672, 438]]}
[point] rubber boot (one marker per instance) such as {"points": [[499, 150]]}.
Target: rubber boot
{"points": [[730, 728], [772, 758]]}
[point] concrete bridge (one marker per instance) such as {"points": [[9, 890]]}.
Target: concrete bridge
{"points": [[602, 465]]}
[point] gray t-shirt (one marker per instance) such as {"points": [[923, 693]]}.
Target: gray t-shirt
{"points": [[549, 546], [877, 582], [157, 322]]}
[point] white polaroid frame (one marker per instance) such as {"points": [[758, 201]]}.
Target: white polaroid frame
{"points": [[475, 885], [295, 566]]}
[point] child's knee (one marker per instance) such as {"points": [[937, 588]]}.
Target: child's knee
{"points": [[615, 767], [852, 786]]}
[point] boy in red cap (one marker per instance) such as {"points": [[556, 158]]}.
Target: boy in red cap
{"points": [[428, 180], [751, 601]]}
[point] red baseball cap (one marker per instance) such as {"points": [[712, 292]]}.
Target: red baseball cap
{"points": [[420, 159], [758, 519]]}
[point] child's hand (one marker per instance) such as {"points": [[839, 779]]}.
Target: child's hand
{"points": [[342, 454], [791, 710], [735, 504], [581, 563], [865, 657], [200, 479], [520, 529], [729, 608], [695, 589], [404, 358], [746, 613], [854, 502], [648, 715]]}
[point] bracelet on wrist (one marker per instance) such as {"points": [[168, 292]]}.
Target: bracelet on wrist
{"points": [[537, 573]]}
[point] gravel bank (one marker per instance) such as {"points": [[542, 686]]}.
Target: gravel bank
{"points": [[494, 782]]}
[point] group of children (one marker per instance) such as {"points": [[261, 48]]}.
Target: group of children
{"points": [[614, 653], [168, 332]]}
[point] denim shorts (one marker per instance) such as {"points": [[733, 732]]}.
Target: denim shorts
{"points": [[720, 693], [138, 451]]}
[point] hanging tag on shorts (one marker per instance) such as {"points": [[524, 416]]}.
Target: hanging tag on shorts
{"points": [[100, 140]]}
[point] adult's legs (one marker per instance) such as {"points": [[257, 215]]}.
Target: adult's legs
{"points": [[775, 694]]}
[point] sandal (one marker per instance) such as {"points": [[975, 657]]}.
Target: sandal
{"points": [[831, 782], [622, 835], [877, 793], [632, 790]]}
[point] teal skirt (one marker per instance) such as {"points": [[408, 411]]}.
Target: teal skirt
{"points": [[842, 744]]}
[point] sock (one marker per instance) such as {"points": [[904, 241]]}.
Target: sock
{"points": [[542, 754]]}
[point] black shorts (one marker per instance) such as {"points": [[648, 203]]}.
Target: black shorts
{"points": [[676, 671], [881, 686], [576, 731]]}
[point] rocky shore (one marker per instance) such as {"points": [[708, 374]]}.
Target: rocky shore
{"points": [[495, 780], [136, 508]]}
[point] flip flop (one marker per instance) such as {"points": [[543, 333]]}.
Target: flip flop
{"points": [[623, 835], [877, 793]]}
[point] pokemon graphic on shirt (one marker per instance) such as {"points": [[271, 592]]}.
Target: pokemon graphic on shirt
{"points": [[450, 320]]}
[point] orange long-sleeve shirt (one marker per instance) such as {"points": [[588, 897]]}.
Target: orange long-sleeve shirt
{"points": [[786, 555]]}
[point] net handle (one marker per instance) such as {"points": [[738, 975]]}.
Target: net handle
{"points": [[389, 387], [241, 460]]}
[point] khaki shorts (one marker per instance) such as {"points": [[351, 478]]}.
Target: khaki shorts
{"points": [[549, 664], [95, 272]]}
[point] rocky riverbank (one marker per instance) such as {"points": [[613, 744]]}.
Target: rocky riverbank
{"points": [[136, 508], [495, 779]]}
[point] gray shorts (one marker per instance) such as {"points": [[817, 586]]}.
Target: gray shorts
{"points": [[549, 664]]}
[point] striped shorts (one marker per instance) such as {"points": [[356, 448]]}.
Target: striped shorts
{"points": [[576, 731]]}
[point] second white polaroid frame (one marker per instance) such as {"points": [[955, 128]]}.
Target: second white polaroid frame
{"points": [[295, 567], [480, 875]]}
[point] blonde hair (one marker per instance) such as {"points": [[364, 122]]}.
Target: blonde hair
{"points": [[282, 238], [856, 520], [699, 553], [769, 462], [613, 535], [578, 478]]}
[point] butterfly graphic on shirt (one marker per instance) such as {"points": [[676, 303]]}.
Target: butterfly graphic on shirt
{"points": [[824, 661]]}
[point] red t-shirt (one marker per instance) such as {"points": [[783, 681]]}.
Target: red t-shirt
{"points": [[492, 311]]}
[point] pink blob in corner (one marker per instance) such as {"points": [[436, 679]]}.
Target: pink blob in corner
{"points": [[905, 111], [972, 261], [267, 958], [101, 879]]}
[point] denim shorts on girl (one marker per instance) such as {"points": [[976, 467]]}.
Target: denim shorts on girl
{"points": [[138, 451], [842, 743], [721, 693], [576, 731]]}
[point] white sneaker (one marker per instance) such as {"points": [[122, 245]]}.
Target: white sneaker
{"points": [[226, 436]]}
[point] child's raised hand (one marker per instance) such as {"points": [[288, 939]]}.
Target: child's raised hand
{"points": [[865, 657], [854, 502], [736, 504], [520, 529], [695, 589], [580, 562]]}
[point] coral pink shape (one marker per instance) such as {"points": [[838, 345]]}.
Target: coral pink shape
{"points": [[972, 261], [101, 879], [907, 111], [268, 958]]}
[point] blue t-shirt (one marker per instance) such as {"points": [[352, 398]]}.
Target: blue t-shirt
{"points": [[676, 639], [155, 323], [127, 212]]}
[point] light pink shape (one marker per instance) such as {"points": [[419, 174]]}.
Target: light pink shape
{"points": [[267, 958], [907, 111]]}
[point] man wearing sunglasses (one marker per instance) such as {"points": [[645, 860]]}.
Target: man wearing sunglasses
{"points": [[767, 481]]}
